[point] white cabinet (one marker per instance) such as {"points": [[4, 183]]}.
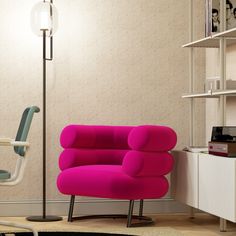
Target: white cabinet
{"points": [[205, 182], [184, 178], [217, 186]]}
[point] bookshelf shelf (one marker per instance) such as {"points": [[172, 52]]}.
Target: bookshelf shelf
{"points": [[211, 94], [214, 40]]}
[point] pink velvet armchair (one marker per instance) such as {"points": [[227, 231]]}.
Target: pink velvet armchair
{"points": [[118, 162]]}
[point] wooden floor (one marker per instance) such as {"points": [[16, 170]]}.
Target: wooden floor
{"points": [[202, 225]]}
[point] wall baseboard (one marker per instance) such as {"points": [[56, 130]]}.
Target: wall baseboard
{"points": [[88, 207]]}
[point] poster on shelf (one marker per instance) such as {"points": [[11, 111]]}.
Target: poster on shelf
{"points": [[212, 16], [230, 14], [208, 17]]}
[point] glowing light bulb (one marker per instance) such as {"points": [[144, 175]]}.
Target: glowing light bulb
{"points": [[44, 17], [45, 21]]}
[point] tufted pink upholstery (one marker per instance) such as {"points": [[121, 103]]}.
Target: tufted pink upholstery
{"points": [[119, 162]]}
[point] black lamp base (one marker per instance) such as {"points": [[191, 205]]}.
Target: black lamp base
{"points": [[43, 219]]}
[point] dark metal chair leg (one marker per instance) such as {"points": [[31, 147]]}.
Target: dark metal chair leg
{"points": [[142, 220], [129, 218], [72, 202], [141, 208]]}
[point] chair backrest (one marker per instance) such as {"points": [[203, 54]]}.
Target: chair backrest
{"points": [[24, 126]]}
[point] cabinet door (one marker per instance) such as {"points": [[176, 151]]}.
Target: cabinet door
{"points": [[217, 185], [184, 178]]}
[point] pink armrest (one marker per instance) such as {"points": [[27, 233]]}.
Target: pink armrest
{"points": [[152, 138], [137, 163]]}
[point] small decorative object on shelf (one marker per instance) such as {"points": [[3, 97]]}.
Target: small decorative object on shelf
{"points": [[196, 149], [223, 134], [212, 83], [223, 141]]}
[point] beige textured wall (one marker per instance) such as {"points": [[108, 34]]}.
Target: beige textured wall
{"points": [[116, 62]]}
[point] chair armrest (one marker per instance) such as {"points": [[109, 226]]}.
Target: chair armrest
{"points": [[152, 138], [12, 142], [137, 163]]}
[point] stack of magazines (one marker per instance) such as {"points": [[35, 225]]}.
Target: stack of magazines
{"points": [[196, 149]]}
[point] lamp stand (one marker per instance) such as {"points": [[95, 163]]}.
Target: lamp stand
{"points": [[44, 217]]}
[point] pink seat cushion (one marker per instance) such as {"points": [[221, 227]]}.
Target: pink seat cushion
{"points": [[109, 182]]}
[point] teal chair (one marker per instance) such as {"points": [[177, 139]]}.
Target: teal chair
{"points": [[21, 147]]}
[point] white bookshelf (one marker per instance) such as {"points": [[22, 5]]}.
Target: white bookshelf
{"points": [[195, 179]]}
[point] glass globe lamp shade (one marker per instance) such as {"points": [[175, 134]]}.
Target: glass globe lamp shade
{"points": [[44, 17]]}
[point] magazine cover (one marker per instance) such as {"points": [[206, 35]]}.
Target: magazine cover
{"points": [[213, 20], [230, 14]]}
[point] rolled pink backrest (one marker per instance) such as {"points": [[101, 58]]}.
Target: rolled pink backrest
{"points": [[147, 164], [152, 138], [89, 136]]}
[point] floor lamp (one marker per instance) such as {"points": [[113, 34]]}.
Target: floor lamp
{"points": [[44, 23]]}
